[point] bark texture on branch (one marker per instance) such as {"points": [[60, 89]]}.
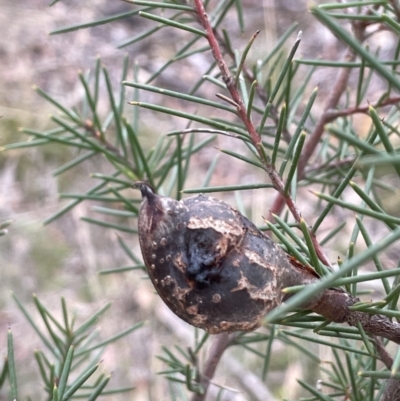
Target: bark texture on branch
{"points": [[334, 306], [392, 391]]}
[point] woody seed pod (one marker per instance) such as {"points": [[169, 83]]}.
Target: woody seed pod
{"points": [[210, 264]]}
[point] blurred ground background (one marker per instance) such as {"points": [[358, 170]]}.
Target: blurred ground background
{"points": [[63, 258]]}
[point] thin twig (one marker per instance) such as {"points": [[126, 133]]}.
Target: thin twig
{"points": [[204, 130], [227, 76], [250, 77], [250, 383], [382, 352], [221, 342], [333, 114], [90, 129], [242, 113], [338, 88], [392, 390], [331, 164]]}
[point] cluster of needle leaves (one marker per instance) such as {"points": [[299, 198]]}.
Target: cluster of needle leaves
{"points": [[271, 119], [69, 365]]}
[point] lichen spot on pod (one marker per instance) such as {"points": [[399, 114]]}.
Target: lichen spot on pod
{"points": [[196, 253]]}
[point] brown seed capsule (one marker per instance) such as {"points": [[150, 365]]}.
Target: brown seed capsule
{"points": [[210, 264]]}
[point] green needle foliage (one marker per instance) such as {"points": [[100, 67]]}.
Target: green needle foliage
{"points": [[72, 354], [319, 149]]}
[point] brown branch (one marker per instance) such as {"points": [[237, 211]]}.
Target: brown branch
{"points": [[206, 130], [334, 304], [333, 114], [392, 390], [250, 382], [249, 76], [382, 352], [338, 88], [332, 164], [314, 139], [255, 137], [221, 342], [328, 115], [90, 129], [227, 76]]}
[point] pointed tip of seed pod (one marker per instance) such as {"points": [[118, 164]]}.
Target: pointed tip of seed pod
{"points": [[145, 188]]}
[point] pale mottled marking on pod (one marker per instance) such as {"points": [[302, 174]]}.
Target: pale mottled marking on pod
{"points": [[216, 298], [179, 262], [193, 310], [243, 284]]}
